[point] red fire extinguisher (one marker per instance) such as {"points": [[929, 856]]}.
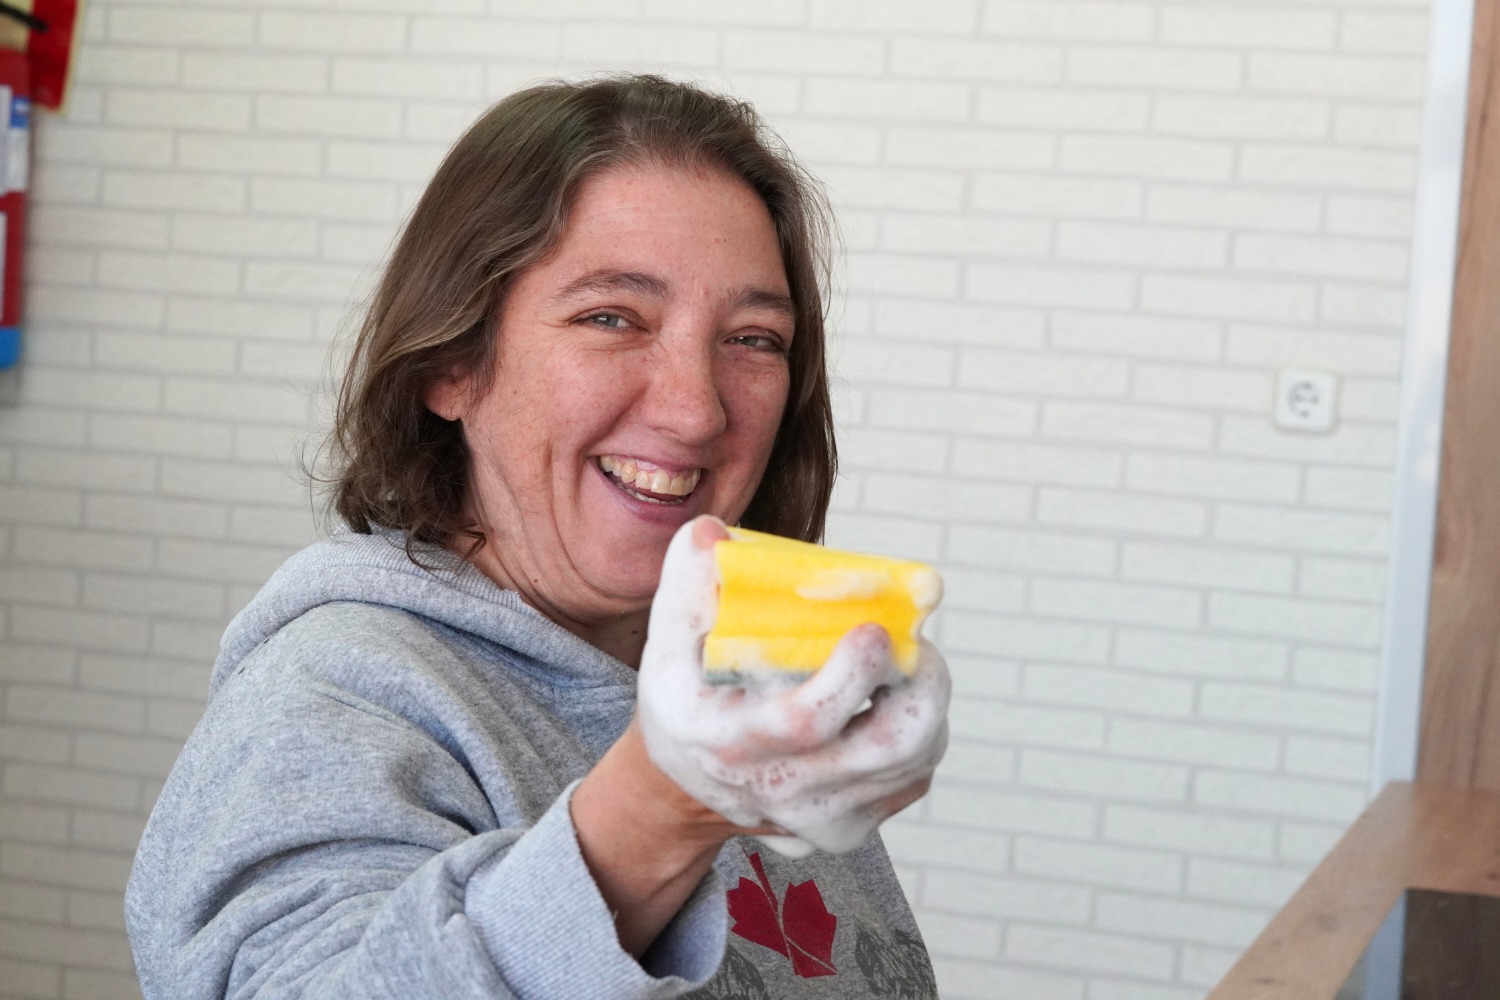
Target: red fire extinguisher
{"points": [[15, 168]]}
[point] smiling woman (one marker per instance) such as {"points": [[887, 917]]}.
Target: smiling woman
{"points": [[652, 341], [498, 206], [435, 760]]}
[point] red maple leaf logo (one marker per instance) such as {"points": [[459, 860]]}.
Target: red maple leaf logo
{"points": [[801, 928]]}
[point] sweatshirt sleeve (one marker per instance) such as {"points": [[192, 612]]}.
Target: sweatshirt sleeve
{"points": [[527, 902], [313, 842]]}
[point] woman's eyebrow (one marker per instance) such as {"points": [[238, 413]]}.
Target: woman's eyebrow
{"points": [[608, 280], [752, 297], [642, 283]]}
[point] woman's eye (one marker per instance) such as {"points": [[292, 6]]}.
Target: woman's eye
{"points": [[607, 321], [759, 341]]}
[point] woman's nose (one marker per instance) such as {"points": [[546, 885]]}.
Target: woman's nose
{"points": [[685, 401]]}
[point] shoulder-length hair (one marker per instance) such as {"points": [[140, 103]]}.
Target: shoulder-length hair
{"points": [[496, 206]]}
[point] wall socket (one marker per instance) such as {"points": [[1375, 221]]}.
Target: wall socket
{"points": [[1306, 400]]}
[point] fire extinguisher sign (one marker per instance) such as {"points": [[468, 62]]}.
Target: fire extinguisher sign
{"points": [[33, 68], [18, 144], [15, 162], [10, 334]]}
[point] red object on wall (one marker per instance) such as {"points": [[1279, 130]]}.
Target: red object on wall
{"points": [[15, 118], [51, 51]]}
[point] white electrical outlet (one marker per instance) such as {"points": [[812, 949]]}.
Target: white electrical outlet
{"points": [[1306, 400]]}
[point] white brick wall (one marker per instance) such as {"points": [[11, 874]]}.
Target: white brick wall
{"points": [[1082, 236]]}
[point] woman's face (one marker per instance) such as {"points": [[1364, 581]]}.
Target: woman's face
{"points": [[641, 376]]}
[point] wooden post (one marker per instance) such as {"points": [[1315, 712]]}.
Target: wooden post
{"points": [[1460, 736]]}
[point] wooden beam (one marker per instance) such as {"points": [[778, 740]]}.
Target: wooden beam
{"points": [[1411, 836], [1460, 736]]}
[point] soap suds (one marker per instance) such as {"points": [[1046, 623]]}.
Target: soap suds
{"points": [[844, 585], [826, 758]]}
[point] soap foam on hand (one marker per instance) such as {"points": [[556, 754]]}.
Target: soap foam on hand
{"points": [[804, 755]]}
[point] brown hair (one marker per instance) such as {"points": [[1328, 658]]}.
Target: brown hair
{"points": [[496, 206]]}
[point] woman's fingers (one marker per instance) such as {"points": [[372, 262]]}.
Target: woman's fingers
{"points": [[820, 724], [906, 726], [925, 702], [856, 810], [813, 713], [860, 663], [915, 708], [806, 760], [686, 601]]}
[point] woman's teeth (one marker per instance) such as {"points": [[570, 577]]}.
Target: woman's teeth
{"points": [[628, 473]]}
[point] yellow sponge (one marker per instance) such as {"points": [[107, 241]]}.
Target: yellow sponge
{"points": [[784, 604]]}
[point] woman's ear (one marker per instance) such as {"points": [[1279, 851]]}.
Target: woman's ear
{"points": [[448, 398]]}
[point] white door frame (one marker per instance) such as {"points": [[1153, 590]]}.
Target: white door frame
{"points": [[1423, 383]]}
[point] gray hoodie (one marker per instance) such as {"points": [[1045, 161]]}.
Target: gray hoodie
{"points": [[375, 805]]}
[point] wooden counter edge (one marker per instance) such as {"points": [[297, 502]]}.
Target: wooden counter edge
{"points": [[1409, 836]]}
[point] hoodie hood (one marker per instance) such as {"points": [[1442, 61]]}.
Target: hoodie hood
{"points": [[375, 569]]}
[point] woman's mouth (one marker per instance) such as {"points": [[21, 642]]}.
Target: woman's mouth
{"points": [[647, 482]]}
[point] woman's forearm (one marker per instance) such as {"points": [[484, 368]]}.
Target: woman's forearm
{"points": [[645, 841]]}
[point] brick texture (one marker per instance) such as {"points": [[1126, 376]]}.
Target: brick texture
{"points": [[1081, 237]]}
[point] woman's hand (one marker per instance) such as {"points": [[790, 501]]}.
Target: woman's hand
{"points": [[825, 760], [801, 765]]}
